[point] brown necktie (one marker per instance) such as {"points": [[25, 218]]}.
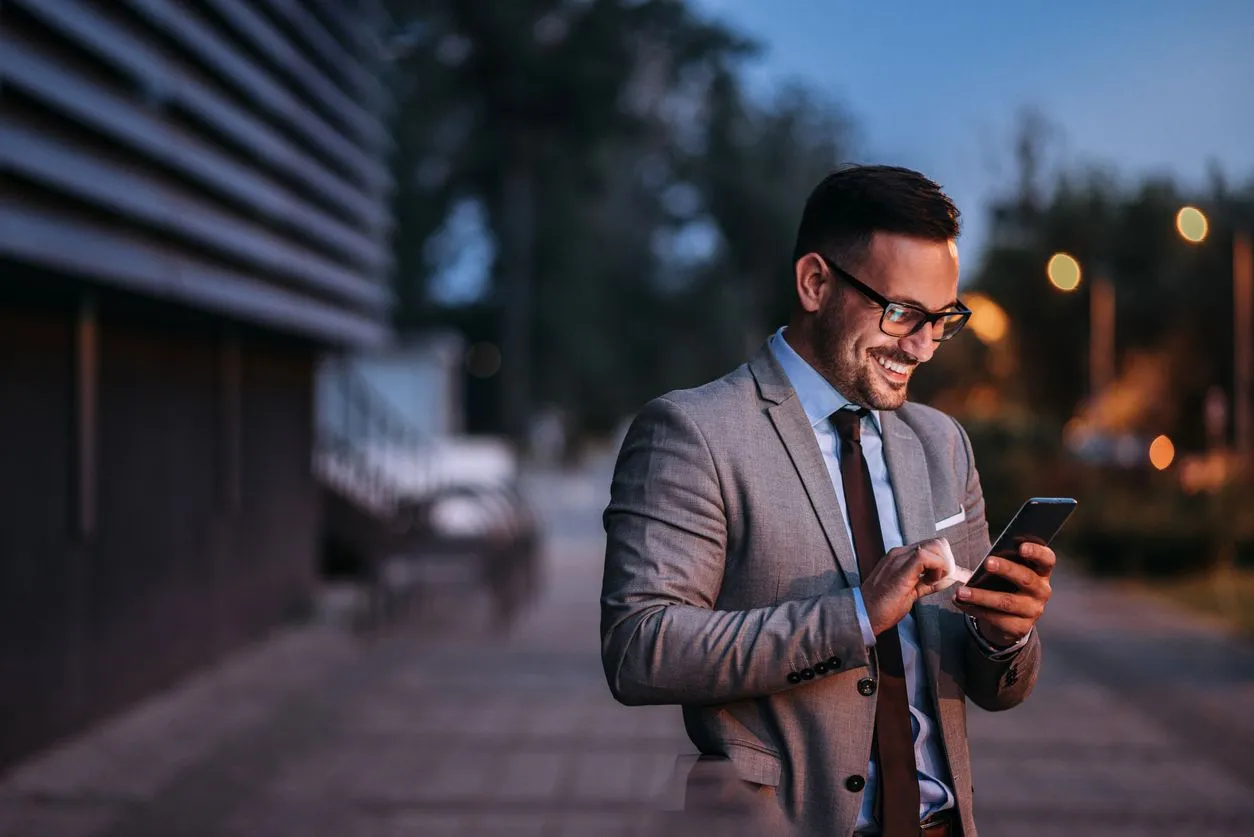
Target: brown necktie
{"points": [[897, 806]]}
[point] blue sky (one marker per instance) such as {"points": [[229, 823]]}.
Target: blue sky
{"points": [[1148, 86]]}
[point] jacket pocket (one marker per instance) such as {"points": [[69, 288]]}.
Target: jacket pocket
{"points": [[956, 534], [754, 763]]}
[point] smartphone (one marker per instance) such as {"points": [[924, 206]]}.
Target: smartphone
{"points": [[1037, 521]]}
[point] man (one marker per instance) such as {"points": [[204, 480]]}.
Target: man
{"points": [[775, 545]]}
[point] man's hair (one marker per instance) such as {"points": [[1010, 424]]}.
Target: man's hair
{"points": [[853, 202]]}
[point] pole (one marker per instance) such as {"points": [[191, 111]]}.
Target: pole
{"points": [[1101, 335], [1243, 342], [519, 210], [87, 414]]}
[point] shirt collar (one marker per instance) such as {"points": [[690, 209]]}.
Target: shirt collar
{"points": [[818, 398]]}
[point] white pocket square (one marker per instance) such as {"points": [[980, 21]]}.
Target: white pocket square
{"points": [[954, 574], [952, 519]]}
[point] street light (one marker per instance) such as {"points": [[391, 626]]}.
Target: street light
{"points": [[1193, 227], [1064, 273], [989, 322], [1162, 452]]}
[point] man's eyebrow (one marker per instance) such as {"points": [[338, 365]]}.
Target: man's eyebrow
{"points": [[917, 304]]}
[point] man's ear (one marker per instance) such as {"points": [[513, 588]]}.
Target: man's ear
{"points": [[813, 282]]}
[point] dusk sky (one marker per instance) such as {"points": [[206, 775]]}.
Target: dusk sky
{"points": [[1143, 86], [1154, 85]]}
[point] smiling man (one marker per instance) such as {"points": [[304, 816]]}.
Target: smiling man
{"points": [[776, 541]]}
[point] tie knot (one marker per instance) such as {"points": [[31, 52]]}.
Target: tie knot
{"points": [[849, 423]]}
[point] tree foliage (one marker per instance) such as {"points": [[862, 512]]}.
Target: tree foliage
{"points": [[1174, 311], [652, 243]]}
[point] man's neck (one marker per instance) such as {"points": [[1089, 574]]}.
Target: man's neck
{"points": [[798, 338]]}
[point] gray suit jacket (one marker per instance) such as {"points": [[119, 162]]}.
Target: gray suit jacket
{"points": [[728, 566]]}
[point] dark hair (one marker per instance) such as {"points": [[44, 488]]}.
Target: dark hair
{"points": [[853, 202]]}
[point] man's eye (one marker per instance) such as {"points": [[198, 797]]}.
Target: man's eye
{"points": [[897, 314]]}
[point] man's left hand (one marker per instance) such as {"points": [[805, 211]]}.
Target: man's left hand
{"points": [[1005, 618]]}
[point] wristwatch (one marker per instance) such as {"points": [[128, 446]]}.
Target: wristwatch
{"points": [[995, 651]]}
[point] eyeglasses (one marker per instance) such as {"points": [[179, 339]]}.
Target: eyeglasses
{"points": [[902, 319]]}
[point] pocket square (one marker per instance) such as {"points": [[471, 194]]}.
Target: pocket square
{"points": [[952, 519], [954, 574]]}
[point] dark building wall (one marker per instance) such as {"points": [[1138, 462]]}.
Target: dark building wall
{"points": [[204, 523], [195, 204], [225, 154], [39, 567]]}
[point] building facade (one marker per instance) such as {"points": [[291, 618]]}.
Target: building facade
{"points": [[194, 209]]}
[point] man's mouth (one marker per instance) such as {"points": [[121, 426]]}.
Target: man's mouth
{"points": [[894, 370]]}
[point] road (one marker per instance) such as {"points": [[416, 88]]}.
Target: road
{"points": [[1142, 724]]}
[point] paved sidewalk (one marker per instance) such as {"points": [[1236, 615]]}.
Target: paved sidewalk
{"points": [[1143, 724], [439, 729]]}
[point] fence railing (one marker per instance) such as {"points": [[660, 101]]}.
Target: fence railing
{"points": [[363, 446]]}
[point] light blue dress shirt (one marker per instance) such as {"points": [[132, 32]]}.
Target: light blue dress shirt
{"points": [[820, 399]]}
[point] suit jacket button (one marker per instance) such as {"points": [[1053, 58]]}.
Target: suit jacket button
{"points": [[834, 663], [820, 668], [866, 686], [794, 678], [855, 783], [807, 673]]}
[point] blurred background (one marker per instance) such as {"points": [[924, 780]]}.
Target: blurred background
{"points": [[321, 322]]}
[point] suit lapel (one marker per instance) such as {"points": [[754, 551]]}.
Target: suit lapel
{"points": [[907, 468], [797, 435], [795, 432]]}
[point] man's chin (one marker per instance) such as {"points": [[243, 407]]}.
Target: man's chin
{"points": [[886, 396]]}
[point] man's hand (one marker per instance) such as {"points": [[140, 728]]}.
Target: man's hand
{"points": [[1005, 618], [899, 579]]}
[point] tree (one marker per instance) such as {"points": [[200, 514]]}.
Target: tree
{"points": [[758, 165], [539, 109], [1173, 314]]}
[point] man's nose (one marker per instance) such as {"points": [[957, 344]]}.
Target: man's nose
{"points": [[919, 345]]}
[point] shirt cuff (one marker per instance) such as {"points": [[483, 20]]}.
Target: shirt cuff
{"points": [[864, 620], [992, 651]]}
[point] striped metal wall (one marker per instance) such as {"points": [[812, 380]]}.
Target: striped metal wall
{"points": [[227, 155]]}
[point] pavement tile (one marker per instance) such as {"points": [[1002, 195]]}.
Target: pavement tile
{"points": [[59, 817], [529, 776], [445, 728]]}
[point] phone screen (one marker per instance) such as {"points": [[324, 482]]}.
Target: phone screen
{"points": [[1037, 521]]}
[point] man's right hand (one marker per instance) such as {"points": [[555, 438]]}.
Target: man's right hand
{"points": [[899, 579]]}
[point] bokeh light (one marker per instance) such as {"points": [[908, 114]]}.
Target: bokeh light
{"points": [[988, 321], [1063, 271], [1192, 224], [1161, 453]]}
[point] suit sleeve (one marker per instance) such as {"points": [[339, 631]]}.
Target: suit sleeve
{"points": [[992, 684], [663, 639]]}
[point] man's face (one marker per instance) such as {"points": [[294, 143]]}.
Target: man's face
{"points": [[868, 366]]}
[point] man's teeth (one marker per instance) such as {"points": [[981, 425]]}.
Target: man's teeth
{"points": [[899, 368]]}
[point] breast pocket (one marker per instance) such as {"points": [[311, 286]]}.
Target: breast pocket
{"points": [[953, 527]]}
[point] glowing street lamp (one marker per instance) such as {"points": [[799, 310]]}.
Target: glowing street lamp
{"points": [[1193, 226], [989, 322], [1161, 453], [1064, 274]]}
